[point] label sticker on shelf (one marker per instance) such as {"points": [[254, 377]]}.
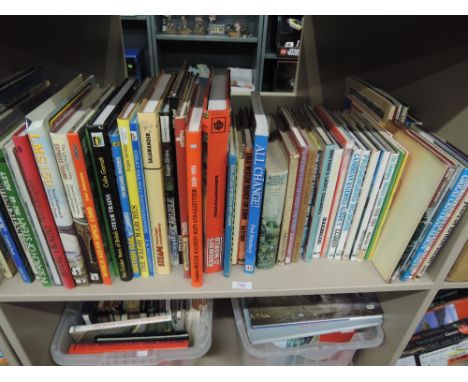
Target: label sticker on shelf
{"points": [[142, 353], [242, 285]]}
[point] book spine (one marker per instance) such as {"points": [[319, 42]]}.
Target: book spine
{"points": [[443, 236], [311, 203], [340, 183], [195, 204], [133, 197], [323, 178], [248, 161], [364, 194], [229, 215], [272, 213], [79, 163], [31, 215], [379, 202], [39, 199], [216, 126], [21, 223], [181, 160], [154, 178], [170, 186], [135, 136], [106, 182], [356, 253], [301, 172], [13, 246], [124, 201], [129, 346], [445, 210], [255, 200], [343, 205], [75, 202], [55, 192], [7, 266], [237, 210]]}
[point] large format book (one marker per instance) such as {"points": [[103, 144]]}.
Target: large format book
{"points": [[179, 124], [401, 221], [262, 132], [195, 187], [216, 125], [38, 127], [276, 179], [77, 114], [97, 134], [293, 163], [150, 135], [230, 200]]}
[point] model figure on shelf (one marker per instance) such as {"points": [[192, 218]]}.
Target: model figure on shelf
{"points": [[199, 27], [184, 29]]}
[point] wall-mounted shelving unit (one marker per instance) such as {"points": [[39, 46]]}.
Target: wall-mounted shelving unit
{"points": [[29, 313]]}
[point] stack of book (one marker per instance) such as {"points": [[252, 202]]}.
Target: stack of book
{"points": [[98, 183], [441, 338], [305, 320], [116, 326]]}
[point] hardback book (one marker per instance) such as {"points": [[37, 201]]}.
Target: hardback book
{"points": [[100, 155], [347, 145], [248, 148], [293, 164], [179, 125], [195, 187], [261, 134], [7, 266], [170, 182], [150, 136], [127, 346], [230, 201], [38, 128], [401, 222], [78, 112], [302, 146], [216, 126], [276, 179], [238, 190]]}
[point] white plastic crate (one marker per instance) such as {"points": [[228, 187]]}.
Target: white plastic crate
{"points": [[71, 316], [321, 354]]}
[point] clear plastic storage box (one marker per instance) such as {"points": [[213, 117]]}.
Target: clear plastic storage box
{"points": [[71, 316], [321, 354]]}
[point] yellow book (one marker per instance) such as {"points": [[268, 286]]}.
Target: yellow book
{"points": [[140, 263], [150, 135]]}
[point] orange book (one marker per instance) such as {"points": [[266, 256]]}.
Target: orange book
{"points": [[90, 209], [193, 149], [216, 125], [94, 348]]}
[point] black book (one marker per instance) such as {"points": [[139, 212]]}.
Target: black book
{"points": [[116, 338], [97, 136]]}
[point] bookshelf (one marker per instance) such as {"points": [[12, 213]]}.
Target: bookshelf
{"points": [[29, 314]]}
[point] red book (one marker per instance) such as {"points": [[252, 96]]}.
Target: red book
{"points": [[39, 199], [337, 337], [195, 189], [181, 158], [89, 206], [216, 125], [94, 348]]}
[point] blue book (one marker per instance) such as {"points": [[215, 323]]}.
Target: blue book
{"points": [[440, 218], [258, 181], [18, 258], [114, 138], [142, 192], [230, 199]]}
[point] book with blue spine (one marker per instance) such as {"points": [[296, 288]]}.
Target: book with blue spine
{"points": [[114, 138], [135, 135], [230, 198], [258, 180], [440, 218]]}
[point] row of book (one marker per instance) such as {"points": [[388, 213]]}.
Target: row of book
{"points": [[102, 182], [441, 338]]}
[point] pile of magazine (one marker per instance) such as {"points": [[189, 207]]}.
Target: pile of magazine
{"points": [[119, 326], [305, 320], [441, 338]]}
